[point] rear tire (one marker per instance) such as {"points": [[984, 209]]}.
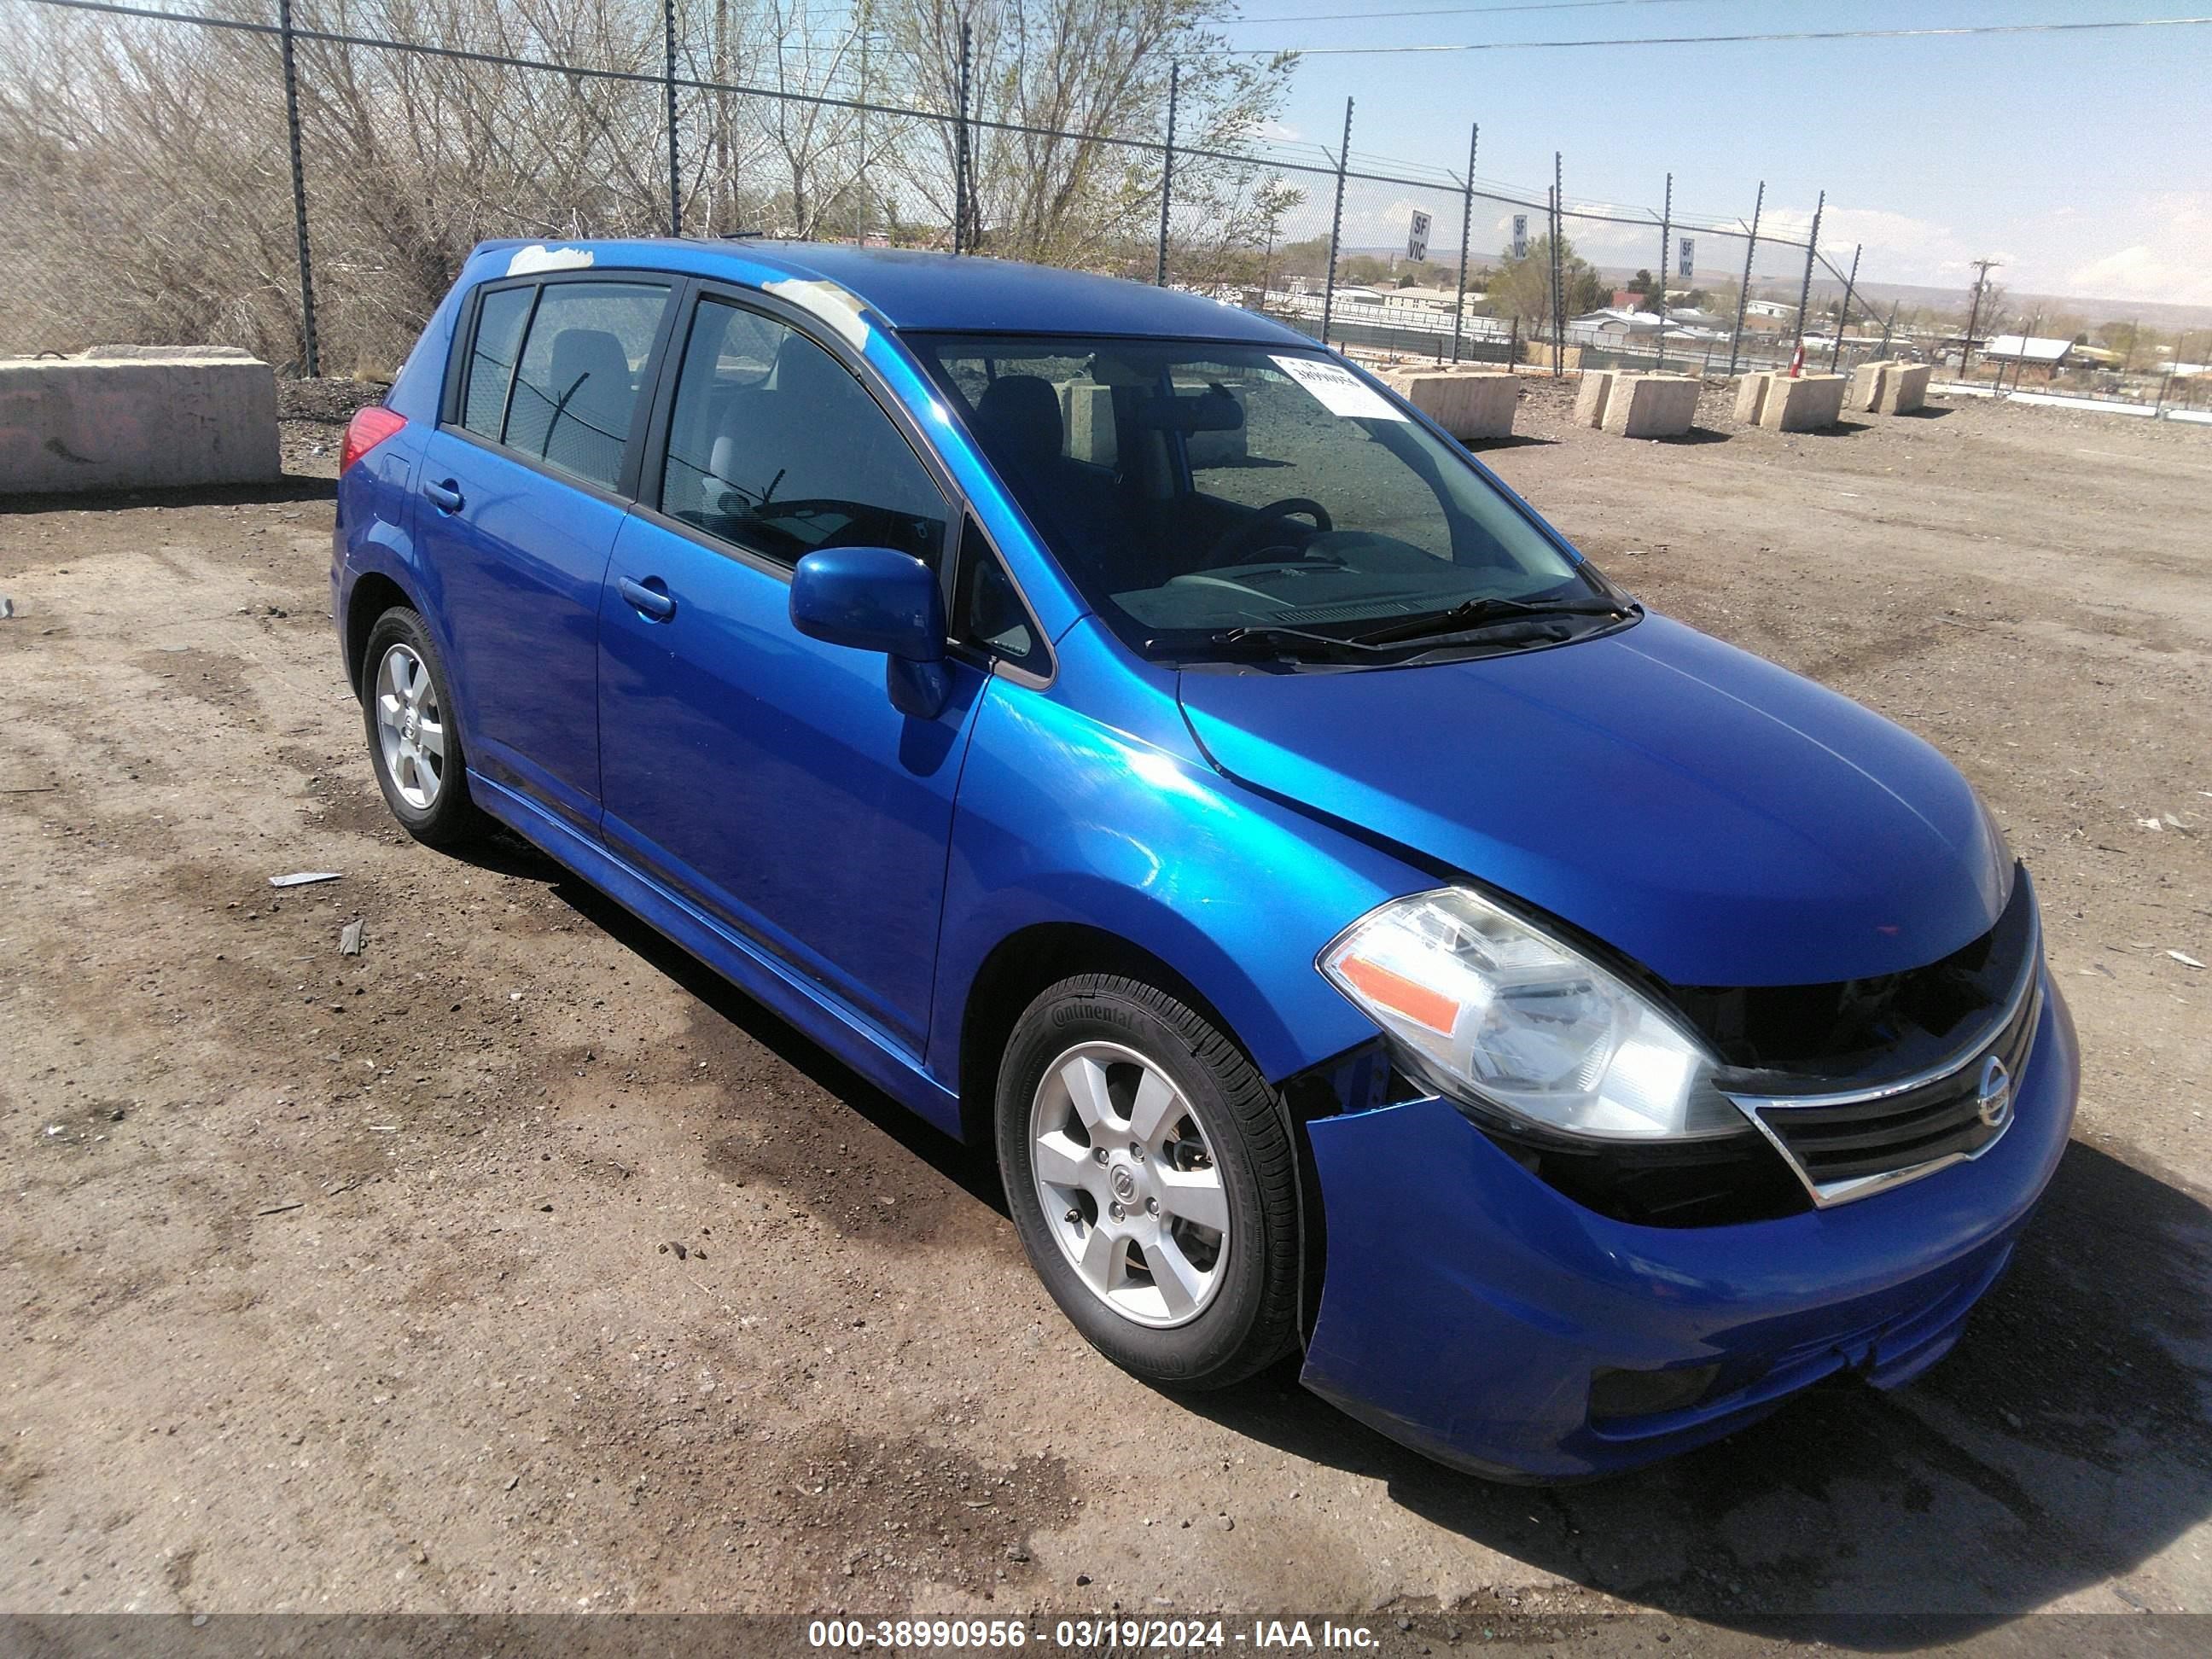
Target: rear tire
{"points": [[406, 705], [1151, 1173]]}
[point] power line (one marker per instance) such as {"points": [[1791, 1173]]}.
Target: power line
{"points": [[1455, 11], [1462, 12], [1735, 39]]}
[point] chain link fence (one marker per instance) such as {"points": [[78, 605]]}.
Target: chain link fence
{"points": [[304, 177]]}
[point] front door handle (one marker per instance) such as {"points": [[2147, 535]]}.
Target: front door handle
{"points": [[647, 597], [446, 497]]}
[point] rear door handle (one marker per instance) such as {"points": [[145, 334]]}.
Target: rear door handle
{"points": [[446, 497], [652, 601]]}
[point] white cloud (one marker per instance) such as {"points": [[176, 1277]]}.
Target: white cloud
{"points": [[2137, 272], [2173, 264]]}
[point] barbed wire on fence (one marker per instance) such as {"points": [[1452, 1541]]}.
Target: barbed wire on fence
{"points": [[309, 186]]}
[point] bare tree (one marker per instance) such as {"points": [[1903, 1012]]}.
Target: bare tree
{"points": [[146, 165]]}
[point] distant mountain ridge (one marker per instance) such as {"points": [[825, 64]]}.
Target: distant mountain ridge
{"points": [[2168, 319]]}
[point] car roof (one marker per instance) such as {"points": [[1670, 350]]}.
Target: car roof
{"points": [[914, 290]]}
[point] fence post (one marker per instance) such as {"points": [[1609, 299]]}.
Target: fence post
{"points": [[1743, 294], [2166, 380], [1889, 327], [1559, 267], [1666, 246], [1851, 287], [960, 148], [1335, 228], [1465, 233], [1167, 175], [2020, 361], [311, 353], [668, 80], [1805, 290], [860, 179]]}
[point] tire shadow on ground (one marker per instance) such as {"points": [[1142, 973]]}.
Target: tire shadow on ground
{"points": [[2061, 1444]]}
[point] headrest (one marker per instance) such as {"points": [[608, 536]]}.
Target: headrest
{"points": [[1018, 417], [595, 358], [805, 370]]}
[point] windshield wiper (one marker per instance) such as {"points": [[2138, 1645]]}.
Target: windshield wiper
{"points": [[1293, 642], [1476, 613]]}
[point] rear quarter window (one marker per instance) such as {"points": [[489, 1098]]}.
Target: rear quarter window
{"points": [[499, 317]]}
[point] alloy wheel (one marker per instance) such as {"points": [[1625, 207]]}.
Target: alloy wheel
{"points": [[1128, 1183], [410, 728]]}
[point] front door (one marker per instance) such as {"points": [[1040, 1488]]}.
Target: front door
{"points": [[764, 774], [522, 486]]}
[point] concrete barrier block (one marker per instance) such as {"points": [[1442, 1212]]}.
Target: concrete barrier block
{"points": [[1751, 395], [1468, 405], [1804, 404], [133, 419], [1867, 382], [1905, 389], [1652, 406], [1088, 410], [1595, 392]]}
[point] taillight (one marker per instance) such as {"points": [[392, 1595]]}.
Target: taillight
{"points": [[368, 428]]}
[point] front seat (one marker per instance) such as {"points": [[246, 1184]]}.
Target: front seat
{"points": [[1018, 419]]}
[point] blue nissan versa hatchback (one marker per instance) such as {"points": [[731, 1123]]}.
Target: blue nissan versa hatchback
{"points": [[1136, 739]]}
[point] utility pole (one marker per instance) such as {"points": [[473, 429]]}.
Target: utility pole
{"points": [[1982, 269], [1666, 235]]}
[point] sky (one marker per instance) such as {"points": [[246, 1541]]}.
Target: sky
{"points": [[2082, 162]]}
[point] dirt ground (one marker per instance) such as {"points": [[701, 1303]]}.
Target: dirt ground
{"points": [[516, 1265]]}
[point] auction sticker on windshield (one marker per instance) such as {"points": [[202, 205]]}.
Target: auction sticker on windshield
{"points": [[1337, 388]]}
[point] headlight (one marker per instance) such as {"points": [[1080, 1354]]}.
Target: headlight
{"points": [[1493, 1012]]}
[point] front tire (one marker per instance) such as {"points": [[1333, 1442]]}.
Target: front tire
{"points": [[406, 704], [1149, 1172]]}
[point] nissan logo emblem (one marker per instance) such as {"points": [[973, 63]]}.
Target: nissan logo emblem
{"points": [[1993, 1099]]}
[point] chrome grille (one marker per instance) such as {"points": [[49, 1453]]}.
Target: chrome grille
{"points": [[1848, 1145]]}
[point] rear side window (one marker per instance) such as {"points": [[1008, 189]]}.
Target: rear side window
{"points": [[500, 318], [576, 389], [774, 446]]}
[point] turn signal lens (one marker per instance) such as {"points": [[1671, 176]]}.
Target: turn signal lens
{"points": [[368, 427]]}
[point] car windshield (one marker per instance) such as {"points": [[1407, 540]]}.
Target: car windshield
{"points": [[1191, 490]]}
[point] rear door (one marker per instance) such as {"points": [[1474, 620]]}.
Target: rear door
{"points": [[522, 489], [763, 774]]}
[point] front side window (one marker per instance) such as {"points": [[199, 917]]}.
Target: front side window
{"points": [[576, 391], [1194, 490], [774, 447]]}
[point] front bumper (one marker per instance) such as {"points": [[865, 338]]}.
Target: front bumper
{"points": [[1466, 1305]]}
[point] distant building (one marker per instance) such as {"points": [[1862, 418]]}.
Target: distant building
{"points": [[2028, 354], [1619, 319]]}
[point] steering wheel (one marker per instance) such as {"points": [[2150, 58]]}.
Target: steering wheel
{"points": [[1258, 525]]}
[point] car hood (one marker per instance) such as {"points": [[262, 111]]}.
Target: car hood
{"points": [[1717, 819]]}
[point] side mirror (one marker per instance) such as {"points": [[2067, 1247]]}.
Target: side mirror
{"points": [[874, 598]]}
